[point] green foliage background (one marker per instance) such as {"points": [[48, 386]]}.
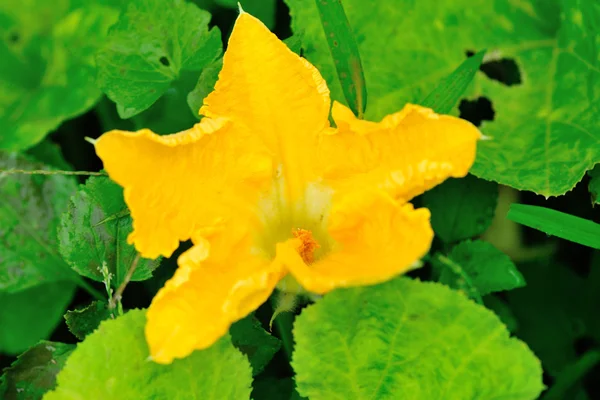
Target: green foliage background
{"points": [[497, 311]]}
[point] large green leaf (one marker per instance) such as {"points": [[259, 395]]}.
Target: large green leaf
{"points": [[93, 231], [31, 315], [30, 208], [34, 372], [407, 339], [461, 208], [153, 42], [112, 363], [47, 73], [545, 132], [478, 268], [594, 185]]}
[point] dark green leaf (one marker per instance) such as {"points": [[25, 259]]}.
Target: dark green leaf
{"points": [[31, 315], [556, 223], [270, 388], [446, 95], [478, 268], [148, 48], [594, 185], [85, 320], [503, 311], [30, 209], [34, 372], [261, 9], [344, 52], [461, 208], [547, 322], [89, 236], [251, 339], [205, 85]]}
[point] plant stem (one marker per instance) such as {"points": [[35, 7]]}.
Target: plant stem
{"points": [[119, 292], [571, 374], [48, 172], [283, 324]]}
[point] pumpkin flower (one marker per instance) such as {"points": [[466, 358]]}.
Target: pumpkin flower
{"points": [[272, 196]]}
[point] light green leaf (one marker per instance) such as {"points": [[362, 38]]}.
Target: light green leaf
{"points": [[31, 315], [594, 185], [344, 53], [503, 311], [83, 321], [205, 85], [556, 223], [89, 236], [34, 372], [251, 339], [545, 130], [406, 339], [48, 69], [461, 208], [30, 208], [148, 48], [112, 363], [446, 95], [478, 268]]}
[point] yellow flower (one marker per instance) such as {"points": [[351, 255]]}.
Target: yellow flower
{"points": [[269, 193]]}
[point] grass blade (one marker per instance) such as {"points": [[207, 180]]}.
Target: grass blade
{"points": [[556, 223], [445, 96], [344, 52]]}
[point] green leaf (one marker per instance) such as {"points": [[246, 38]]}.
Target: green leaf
{"points": [[205, 85], [450, 89], [594, 185], [89, 236], [112, 363], [48, 68], [170, 113], [50, 154], [30, 208], [503, 311], [83, 321], [406, 339], [153, 42], [548, 323], [556, 223], [461, 208], [545, 129], [344, 53], [252, 340], [34, 372], [31, 315], [478, 268], [261, 9], [270, 388]]}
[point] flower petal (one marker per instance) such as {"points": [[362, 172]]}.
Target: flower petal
{"points": [[215, 285], [382, 240], [177, 184], [278, 95], [405, 154]]}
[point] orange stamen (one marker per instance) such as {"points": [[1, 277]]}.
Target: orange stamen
{"points": [[308, 246]]}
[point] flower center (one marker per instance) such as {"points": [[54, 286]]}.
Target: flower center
{"points": [[308, 244]]}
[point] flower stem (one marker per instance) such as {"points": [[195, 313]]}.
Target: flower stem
{"points": [[284, 324], [116, 299]]}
